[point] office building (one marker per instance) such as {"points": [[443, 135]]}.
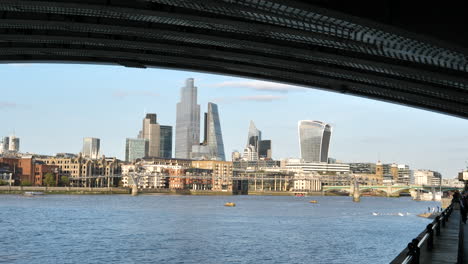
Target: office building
{"points": [[214, 136], [136, 148], [250, 154], [91, 147], [14, 145], [314, 138], [254, 136], [4, 145], [187, 121], [151, 132], [165, 145], [264, 149]]}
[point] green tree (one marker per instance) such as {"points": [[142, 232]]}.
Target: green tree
{"points": [[49, 179], [26, 183], [65, 180]]}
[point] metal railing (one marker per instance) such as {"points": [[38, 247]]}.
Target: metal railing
{"points": [[412, 254]]}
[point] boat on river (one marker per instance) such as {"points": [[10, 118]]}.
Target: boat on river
{"points": [[313, 201], [230, 204], [33, 193]]}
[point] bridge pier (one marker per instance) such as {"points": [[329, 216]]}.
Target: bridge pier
{"points": [[134, 190]]}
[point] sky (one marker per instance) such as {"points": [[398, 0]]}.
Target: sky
{"points": [[51, 107]]}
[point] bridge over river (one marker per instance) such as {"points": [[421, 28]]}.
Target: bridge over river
{"points": [[389, 190]]}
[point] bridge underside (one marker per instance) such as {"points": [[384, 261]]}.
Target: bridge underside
{"points": [[400, 53]]}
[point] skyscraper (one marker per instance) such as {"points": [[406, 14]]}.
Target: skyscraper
{"points": [[165, 145], [314, 138], [254, 136], [187, 121], [214, 137], [4, 145], [136, 148], [151, 132], [91, 147], [264, 149]]}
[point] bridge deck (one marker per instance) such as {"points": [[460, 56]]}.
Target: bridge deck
{"points": [[446, 245]]}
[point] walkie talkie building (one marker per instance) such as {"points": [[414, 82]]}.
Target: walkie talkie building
{"points": [[314, 139]]}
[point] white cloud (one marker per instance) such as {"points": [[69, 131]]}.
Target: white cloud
{"points": [[5, 105], [126, 93], [250, 98], [259, 86]]}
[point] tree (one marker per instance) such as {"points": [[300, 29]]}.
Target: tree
{"points": [[65, 180], [26, 183], [49, 179]]}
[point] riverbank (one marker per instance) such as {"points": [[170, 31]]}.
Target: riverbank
{"points": [[121, 190]]}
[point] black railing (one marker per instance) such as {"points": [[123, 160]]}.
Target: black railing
{"points": [[412, 254]]}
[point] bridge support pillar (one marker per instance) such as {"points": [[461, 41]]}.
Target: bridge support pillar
{"points": [[134, 190]]}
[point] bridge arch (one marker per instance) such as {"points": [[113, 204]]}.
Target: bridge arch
{"points": [[308, 43]]}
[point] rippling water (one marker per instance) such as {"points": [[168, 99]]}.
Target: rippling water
{"points": [[199, 229]]}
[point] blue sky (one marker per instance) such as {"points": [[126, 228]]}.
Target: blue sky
{"points": [[51, 107]]}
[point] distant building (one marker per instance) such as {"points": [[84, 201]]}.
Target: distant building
{"points": [[187, 121], [405, 175], [364, 168], [4, 145], [427, 177], [222, 173], [236, 156], [250, 154], [165, 142], [314, 137], [151, 132], [214, 136], [255, 165], [254, 137], [136, 148], [91, 147], [264, 149], [319, 167]]}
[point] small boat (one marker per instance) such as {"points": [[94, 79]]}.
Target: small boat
{"points": [[313, 201], [32, 193], [299, 195], [374, 213], [230, 204]]}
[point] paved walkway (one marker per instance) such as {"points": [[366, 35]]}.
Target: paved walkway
{"points": [[446, 245]]}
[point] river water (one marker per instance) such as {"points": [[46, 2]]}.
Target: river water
{"points": [[199, 229]]}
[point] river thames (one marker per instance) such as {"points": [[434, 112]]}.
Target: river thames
{"points": [[200, 229]]}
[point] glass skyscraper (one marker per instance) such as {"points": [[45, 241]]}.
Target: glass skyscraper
{"points": [[314, 138], [91, 147], [135, 148], [264, 149], [254, 137], [151, 132], [214, 136], [165, 146], [187, 121]]}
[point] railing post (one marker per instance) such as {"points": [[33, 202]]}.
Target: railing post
{"points": [[414, 251], [430, 239], [437, 225]]}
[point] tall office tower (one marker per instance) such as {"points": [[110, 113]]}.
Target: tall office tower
{"points": [[152, 132], [254, 136], [165, 150], [187, 121], [136, 148], [91, 147], [264, 149], [4, 145], [14, 145], [214, 137], [314, 138]]}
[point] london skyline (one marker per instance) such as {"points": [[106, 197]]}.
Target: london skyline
{"points": [[62, 113]]}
